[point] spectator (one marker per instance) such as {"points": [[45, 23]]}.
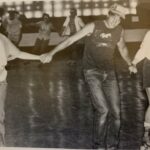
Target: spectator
{"points": [[14, 27], [45, 28], [2, 18], [73, 24]]}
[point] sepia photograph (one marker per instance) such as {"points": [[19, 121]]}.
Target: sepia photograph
{"points": [[75, 74]]}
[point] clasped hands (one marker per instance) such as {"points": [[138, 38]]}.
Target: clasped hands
{"points": [[132, 69], [46, 58]]}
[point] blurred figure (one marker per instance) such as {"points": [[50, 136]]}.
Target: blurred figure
{"points": [[8, 51], [2, 18], [73, 24], [14, 27], [3, 91], [45, 28], [144, 53]]}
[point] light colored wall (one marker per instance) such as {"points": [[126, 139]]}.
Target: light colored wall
{"points": [[131, 35]]}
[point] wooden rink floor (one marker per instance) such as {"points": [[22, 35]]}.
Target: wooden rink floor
{"points": [[48, 106]]}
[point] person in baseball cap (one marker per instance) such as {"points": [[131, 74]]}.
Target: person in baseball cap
{"points": [[99, 72], [119, 10]]}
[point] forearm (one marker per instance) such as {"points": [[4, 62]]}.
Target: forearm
{"points": [[124, 50], [138, 57], [125, 56], [28, 56], [86, 30], [62, 30], [128, 60], [61, 47]]}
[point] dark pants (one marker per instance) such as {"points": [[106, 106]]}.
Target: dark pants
{"points": [[76, 51], [40, 46], [105, 99]]}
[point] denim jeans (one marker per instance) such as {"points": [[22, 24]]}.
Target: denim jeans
{"points": [[105, 99]]}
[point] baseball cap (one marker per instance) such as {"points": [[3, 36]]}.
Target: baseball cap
{"points": [[119, 10]]}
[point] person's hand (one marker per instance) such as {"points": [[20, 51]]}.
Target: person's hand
{"points": [[132, 69], [46, 58]]}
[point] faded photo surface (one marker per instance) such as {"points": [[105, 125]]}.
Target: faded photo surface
{"points": [[75, 74]]}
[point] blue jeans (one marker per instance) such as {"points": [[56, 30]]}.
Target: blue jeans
{"points": [[106, 101]]}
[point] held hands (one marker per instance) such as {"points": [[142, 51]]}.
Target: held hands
{"points": [[46, 58], [132, 69]]}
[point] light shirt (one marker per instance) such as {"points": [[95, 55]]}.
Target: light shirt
{"points": [[44, 30], [78, 24], [7, 51], [14, 30], [144, 51], [14, 26]]}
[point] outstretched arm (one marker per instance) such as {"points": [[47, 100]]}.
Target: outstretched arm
{"points": [[14, 52], [28, 56], [123, 49], [85, 31], [144, 48], [125, 54], [82, 24]]}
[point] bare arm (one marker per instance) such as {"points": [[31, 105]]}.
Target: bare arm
{"points": [[85, 31], [82, 24], [65, 24], [24, 55], [123, 49], [28, 56], [14, 52], [138, 57], [144, 48]]}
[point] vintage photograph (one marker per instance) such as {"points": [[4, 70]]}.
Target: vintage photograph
{"points": [[75, 74]]}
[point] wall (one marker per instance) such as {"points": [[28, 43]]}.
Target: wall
{"points": [[131, 35]]}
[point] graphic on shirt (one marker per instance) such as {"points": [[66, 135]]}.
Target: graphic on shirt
{"points": [[105, 35], [103, 39], [102, 45]]}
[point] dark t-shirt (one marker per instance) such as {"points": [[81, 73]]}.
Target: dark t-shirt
{"points": [[100, 47]]}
